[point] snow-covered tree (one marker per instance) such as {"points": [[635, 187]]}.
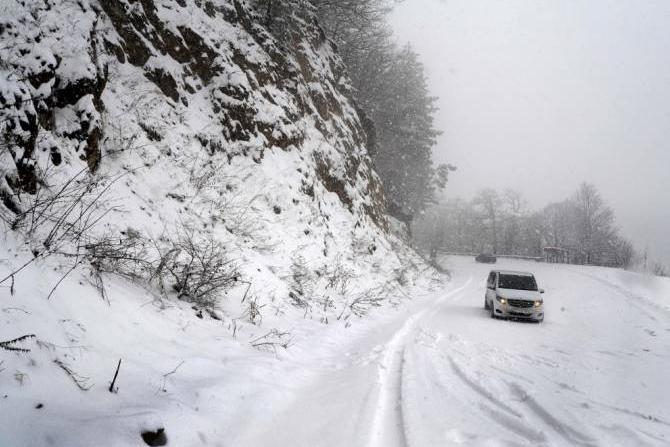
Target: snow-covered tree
{"points": [[594, 222], [488, 203]]}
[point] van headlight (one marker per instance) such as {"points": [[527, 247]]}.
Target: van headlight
{"points": [[500, 299], [538, 303]]}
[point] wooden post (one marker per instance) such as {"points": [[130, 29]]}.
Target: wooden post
{"points": [[111, 386]]}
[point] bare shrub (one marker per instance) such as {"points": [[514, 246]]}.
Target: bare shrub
{"points": [[299, 301], [301, 278], [216, 192], [253, 310], [59, 216], [362, 302], [339, 276], [129, 255], [206, 175], [197, 267]]}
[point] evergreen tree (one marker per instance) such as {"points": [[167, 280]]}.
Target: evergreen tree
{"points": [[406, 136], [391, 90]]}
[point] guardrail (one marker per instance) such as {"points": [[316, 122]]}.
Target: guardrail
{"points": [[525, 258]]}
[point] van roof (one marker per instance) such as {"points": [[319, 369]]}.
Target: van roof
{"points": [[513, 272]]}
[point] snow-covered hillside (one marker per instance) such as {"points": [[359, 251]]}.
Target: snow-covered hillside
{"points": [[188, 123]]}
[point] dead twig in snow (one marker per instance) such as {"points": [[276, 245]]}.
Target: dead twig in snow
{"points": [[271, 340], [79, 380], [165, 376], [7, 309], [8, 345], [76, 264], [174, 370]]}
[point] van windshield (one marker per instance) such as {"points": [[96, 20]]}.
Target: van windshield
{"points": [[517, 282]]}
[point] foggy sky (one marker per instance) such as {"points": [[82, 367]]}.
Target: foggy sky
{"points": [[540, 95]]}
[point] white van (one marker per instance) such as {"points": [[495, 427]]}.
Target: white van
{"points": [[511, 294]]}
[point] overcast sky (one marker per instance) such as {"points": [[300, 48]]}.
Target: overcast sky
{"points": [[540, 95]]}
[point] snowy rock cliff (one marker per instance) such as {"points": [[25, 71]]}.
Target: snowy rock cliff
{"points": [[175, 75], [140, 138]]}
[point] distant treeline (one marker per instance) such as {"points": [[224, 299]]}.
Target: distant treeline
{"points": [[579, 230]]}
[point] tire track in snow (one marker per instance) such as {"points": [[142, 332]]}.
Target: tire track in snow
{"points": [[573, 436], [499, 412], [388, 425], [514, 425], [479, 389], [643, 416]]}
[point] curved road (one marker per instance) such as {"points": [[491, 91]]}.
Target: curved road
{"points": [[439, 372]]}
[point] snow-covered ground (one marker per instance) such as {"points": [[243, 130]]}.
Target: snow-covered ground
{"points": [[432, 371], [440, 372]]}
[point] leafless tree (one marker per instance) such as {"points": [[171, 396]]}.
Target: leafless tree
{"points": [[594, 221], [489, 203]]}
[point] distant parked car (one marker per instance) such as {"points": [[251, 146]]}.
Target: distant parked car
{"points": [[511, 294], [486, 258]]}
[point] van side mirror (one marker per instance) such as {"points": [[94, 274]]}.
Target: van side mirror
{"points": [[541, 290]]}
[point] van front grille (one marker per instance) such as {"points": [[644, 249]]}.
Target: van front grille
{"points": [[521, 303]]}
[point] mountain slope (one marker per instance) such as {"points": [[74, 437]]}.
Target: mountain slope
{"points": [[191, 115], [181, 184]]}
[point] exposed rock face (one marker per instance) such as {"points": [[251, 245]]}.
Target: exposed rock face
{"points": [[209, 117], [49, 65]]}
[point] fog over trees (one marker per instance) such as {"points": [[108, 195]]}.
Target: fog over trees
{"points": [[580, 229]]}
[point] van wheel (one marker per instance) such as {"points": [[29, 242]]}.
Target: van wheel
{"points": [[493, 312], [486, 303]]}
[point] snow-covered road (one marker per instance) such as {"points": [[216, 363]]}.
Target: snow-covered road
{"points": [[434, 371], [441, 372]]}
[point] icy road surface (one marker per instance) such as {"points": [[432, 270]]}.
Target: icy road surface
{"points": [[440, 372]]}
